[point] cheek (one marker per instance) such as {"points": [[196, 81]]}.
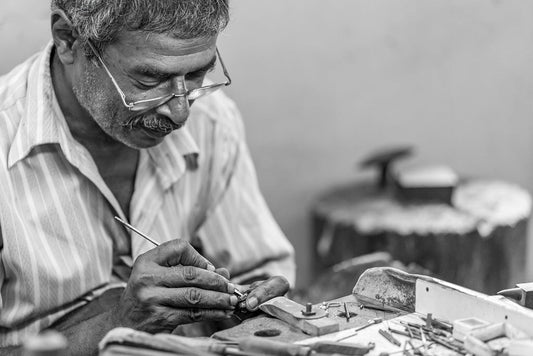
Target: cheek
{"points": [[100, 100]]}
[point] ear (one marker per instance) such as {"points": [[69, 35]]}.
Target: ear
{"points": [[65, 37]]}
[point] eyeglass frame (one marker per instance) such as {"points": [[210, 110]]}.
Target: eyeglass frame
{"points": [[161, 100]]}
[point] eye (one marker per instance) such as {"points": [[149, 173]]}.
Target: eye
{"points": [[199, 73], [146, 85]]}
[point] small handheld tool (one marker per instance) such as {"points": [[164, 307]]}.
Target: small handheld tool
{"points": [[387, 335], [522, 294], [143, 235], [261, 346], [346, 313], [370, 323]]}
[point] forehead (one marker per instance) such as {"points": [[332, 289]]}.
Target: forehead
{"points": [[135, 48]]}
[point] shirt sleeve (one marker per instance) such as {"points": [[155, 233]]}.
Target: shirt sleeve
{"points": [[2, 271], [240, 232]]}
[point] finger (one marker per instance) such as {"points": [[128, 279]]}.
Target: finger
{"points": [[178, 252], [186, 316], [223, 272], [185, 298], [271, 288], [189, 276], [175, 317]]}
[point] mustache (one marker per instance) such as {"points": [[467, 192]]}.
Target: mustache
{"points": [[151, 121]]}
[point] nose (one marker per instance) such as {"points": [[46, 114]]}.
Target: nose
{"points": [[176, 109]]}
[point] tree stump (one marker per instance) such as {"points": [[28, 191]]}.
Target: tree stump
{"points": [[479, 241]]}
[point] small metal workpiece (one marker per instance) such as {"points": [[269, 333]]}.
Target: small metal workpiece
{"points": [[242, 296], [429, 321], [326, 305], [346, 313], [308, 310], [241, 301]]}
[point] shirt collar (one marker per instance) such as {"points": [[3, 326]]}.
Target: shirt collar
{"points": [[177, 153], [42, 120], [43, 123]]}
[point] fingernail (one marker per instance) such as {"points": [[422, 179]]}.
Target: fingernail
{"points": [[231, 288], [233, 300], [252, 303], [210, 267]]}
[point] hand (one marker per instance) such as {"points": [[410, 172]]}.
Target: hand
{"points": [[172, 285], [262, 291]]}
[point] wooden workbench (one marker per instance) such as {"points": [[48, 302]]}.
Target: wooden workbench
{"points": [[389, 288]]}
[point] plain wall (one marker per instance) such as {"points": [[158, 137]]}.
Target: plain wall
{"points": [[321, 84]]}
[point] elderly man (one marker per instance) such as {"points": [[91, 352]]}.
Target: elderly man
{"points": [[116, 118]]}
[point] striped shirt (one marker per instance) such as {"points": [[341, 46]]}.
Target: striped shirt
{"points": [[58, 234]]}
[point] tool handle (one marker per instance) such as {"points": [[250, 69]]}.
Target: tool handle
{"points": [[272, 347]]}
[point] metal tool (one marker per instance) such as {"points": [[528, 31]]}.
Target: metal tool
{"points": [[370, 323], [387, 335], [522, 294], [346, 313], [146, 237]]}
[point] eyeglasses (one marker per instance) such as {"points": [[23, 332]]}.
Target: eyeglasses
{"points": [[147, 104]]}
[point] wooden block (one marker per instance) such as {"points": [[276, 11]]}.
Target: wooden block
{"points": [[291, 313], [318, 327]]}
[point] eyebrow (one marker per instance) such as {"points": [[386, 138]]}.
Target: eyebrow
{"points": [[148, 71]]}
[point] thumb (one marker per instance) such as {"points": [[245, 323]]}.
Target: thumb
{"points": [[179, 252]]}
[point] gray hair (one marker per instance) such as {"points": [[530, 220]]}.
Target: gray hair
{"points": [[101, 20]]}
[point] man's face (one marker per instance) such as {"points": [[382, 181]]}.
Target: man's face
{"points": [[145, 66]]}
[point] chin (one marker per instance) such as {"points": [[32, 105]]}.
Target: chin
{"points": [[140, 139]]}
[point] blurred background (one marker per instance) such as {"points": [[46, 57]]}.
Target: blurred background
{"points": [[322, 84]]}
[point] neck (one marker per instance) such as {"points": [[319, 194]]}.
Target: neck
{"points": [[80, 122]]}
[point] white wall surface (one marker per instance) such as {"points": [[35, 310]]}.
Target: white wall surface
{"points": [[320, 84]]}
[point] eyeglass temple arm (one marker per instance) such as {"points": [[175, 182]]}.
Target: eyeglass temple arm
{"points": [[122, 95], [224, 70]]}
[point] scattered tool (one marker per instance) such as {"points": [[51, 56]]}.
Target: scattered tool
{"points": [[406, 350], [522, 294], [370, 323], [342, 349], [387, 335], [436, 323], [260, 346], [347, 314]]}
